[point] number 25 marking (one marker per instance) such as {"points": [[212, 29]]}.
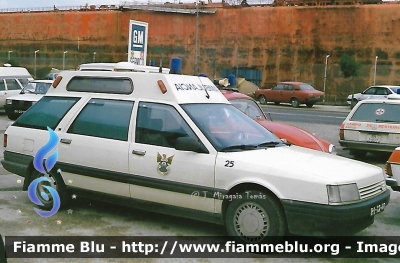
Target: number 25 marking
{"points": [[229, 163]]}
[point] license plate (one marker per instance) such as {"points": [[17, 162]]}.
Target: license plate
{"points": [[378, 209], [373, 138]]}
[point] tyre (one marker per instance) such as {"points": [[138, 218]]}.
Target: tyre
{"points": [[13, 117], [255, 220], [262, 99], [56, 182], [309, 105], [277, 103], [359, 154], [295, 103]]}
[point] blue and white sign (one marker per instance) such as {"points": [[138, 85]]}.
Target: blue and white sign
{"points": [[137, 52]]}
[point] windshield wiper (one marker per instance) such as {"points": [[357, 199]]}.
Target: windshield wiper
{"points": [[379, 120], [239, 147], [269, 144]]}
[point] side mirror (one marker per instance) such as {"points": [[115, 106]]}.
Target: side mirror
{"points": [[189, 144]]}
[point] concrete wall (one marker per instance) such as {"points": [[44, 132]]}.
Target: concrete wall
{"points": [[286, 43]]}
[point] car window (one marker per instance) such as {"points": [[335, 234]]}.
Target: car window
{"points": [[288, 87], [381, 91], [160, 125], [47, 112], [377, 112], [2, 85], [23, 82], [249, 107], [237, 131], [278, 87], [100, 85], [370, 91], [42, 88], [104, 118], [306, 87], [395, 89], [12, 84]]}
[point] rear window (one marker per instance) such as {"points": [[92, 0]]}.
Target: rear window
{"points": [[101, 85], [377, 112], [47, 112]]}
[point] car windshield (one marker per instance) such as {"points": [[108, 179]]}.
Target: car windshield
{"points": [[228, 129], [249, 107], [306, 87], [377, 112], [36, 88], [395, 89]]}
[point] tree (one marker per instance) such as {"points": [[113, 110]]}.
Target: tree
{"points": [[350, 68]]}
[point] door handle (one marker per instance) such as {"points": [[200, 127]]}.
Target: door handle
{"points": [[66, 141], [141, 153]]}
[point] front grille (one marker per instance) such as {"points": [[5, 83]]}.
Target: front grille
{"points": [[372, 190]]}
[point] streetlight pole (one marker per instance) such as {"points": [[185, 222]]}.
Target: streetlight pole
{"points": [[34, 72], [9, 57], [326, 66], [376, 60], [197, 36], [64, 59], [94, 56]]}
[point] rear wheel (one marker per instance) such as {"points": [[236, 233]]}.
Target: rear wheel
{"points": [[262, 99], [309, 105], [255, 220], [295, 103]]}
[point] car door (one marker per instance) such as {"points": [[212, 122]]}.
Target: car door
{"points": [[275, 94], [287, 93], [368, 93], [93, 152], [162, 173], [381, 93]]}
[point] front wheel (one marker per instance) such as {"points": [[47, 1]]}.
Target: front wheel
{"points": [[255, 220], [295, 103], [262, 99]]}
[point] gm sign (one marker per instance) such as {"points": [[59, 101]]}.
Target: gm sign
{"points": [[137, 42]]}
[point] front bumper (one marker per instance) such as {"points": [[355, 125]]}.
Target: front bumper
{"points": [[368, 146], [331, 220]]}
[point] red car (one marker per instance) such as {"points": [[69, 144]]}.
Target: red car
{"points": [[295, 93], [291, 134]]}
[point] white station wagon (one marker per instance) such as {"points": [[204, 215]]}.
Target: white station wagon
{"points": [[174, 144]]}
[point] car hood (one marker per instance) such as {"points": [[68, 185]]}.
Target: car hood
{"points": [[26, 97], [295, 135], [305, 164]]}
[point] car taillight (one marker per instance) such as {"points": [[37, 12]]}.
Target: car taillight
{"points": [[341, 132], [388, 169], [5, 140]]}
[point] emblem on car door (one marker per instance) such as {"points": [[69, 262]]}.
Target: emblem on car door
{"points": [[164, 163]]}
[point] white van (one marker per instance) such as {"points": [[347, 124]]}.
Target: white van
{"points": [[12, 80], [174, 144]]}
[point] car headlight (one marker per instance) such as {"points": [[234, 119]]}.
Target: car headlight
{"points": [[332, 149], [342, 193], [8, 102]]}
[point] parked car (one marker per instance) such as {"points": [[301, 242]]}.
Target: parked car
{"points": [[29, 95], [51, 76], [392, 169], [174, 144], [291, 134], [373, 92], [372, 125], [295, 93], [12, 80]]}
